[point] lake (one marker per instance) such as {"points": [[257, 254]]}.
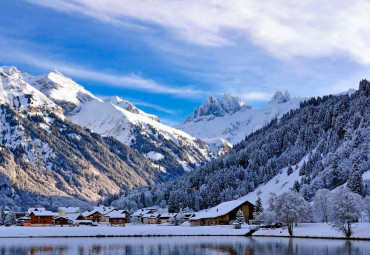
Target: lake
{"points": [[182, 246]]}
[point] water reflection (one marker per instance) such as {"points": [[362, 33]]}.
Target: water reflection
{"points": [[182, 246]]}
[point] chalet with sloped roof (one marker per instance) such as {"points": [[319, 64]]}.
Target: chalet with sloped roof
{"points": [[223, 214]]}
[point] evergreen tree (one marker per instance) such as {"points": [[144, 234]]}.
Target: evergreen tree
{"points": [[180, 217], [290, 170], [296, 186], [258, 209], [10, 218], [355, 183], [240, 217], [2, 215], [142, 199]]}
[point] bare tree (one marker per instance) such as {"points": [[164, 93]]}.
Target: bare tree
{"points": [[321, 205], [345, 210], [291, 208]]}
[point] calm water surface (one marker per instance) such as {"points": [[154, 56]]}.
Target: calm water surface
{"points": [[183, 245]]}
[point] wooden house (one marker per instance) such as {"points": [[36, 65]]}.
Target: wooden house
{"points": [[223, 214], [152, 218], [98, 214], [42, 218], [144, 211], [165, 217], [117, 218], [62, 221]]}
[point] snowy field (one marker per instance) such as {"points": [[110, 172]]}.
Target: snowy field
{"points": [[129, 230], [361, 230]]}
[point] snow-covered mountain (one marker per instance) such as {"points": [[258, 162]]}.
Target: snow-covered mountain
{"points": [[323, 144], [226, 121], [124, 104], [175, 151], [20, 95], [47, 160]]}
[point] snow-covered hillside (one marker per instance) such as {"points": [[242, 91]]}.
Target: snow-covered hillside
{"points": [[323, 144], [124, 104], [237, 121], [110, 117]]}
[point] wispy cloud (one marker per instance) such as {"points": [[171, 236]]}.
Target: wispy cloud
{"points": [[129, 81], [153, 106], [285, 28], [256, 96], [137, 102]]}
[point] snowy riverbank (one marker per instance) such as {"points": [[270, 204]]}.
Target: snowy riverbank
{"points": [[317, 230], [129, 230]]}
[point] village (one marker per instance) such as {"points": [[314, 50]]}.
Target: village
{"points": [[232, 213]]}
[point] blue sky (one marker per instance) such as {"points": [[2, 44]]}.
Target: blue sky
{"points": [[167, 56]]}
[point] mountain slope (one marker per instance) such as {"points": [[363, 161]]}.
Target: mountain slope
{"points": [[322, 144], [175, 150], [45, 159], [226, 121]]}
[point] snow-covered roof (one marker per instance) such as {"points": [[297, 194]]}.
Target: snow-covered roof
{"points": [[151, 215], [143, 211], [32, 209], [219, 210], [101, 209], [116, 214], [168, 215], [69, 209], [104, 209], [73, 216], [45, 213]]}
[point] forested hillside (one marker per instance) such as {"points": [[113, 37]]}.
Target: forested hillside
{"points": [[330, 134]]}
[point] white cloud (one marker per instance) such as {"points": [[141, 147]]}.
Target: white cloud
{"points": [[286, 28], [153, 106], [130, 81], [256, 96]]}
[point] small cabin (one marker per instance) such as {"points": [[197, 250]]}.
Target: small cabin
{"points": [[223, 214]]}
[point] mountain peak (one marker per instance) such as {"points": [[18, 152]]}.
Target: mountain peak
{"points": [[124, 104], [9, 69], [219, 107], [280, 97]]}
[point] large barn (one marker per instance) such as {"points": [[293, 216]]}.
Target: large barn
{"points": [[223, 214]]}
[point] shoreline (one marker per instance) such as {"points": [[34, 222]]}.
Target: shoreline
{"points": [[318, 237], [303, 230], [190, 235]]}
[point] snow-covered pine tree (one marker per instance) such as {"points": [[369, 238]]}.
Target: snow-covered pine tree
{"points": [[240, 217], [258, 209], [180, 217], [10, 218], [2, 215], [355, 182], [296, 186], [290, 170], [172, 220]]}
